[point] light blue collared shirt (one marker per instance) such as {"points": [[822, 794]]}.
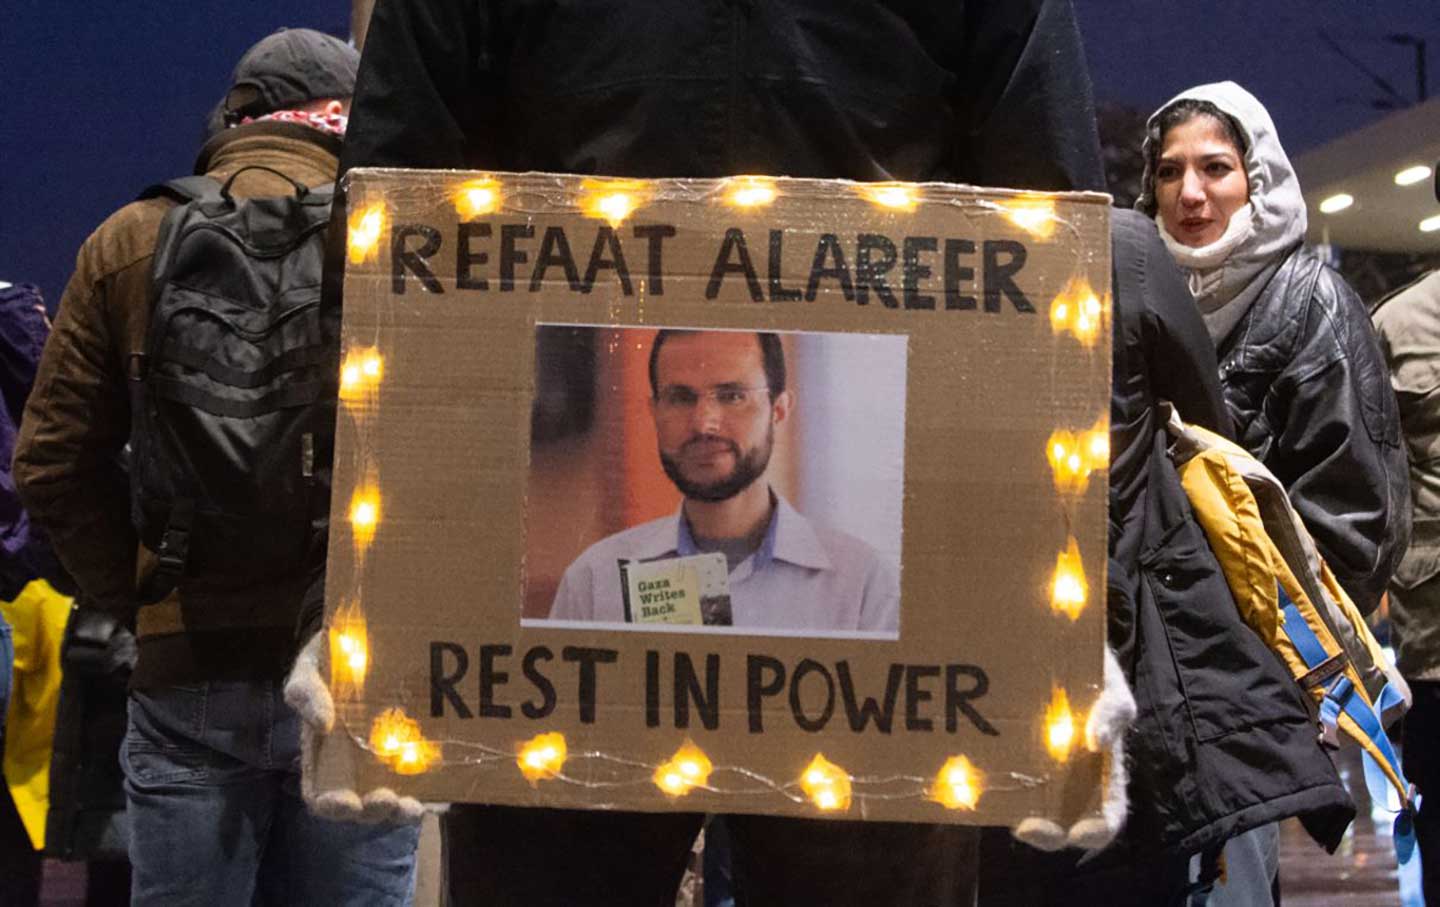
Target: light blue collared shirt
{"points": [[803, 577]]}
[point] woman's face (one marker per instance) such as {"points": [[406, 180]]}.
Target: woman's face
{"points": [[1199, 181]]}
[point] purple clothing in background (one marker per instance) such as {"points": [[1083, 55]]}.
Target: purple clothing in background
{"points": [[23, 330]]}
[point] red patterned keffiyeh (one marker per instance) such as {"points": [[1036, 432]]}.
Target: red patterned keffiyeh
{"points": [[331, 123]]}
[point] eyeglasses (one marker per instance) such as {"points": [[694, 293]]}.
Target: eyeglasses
{"points": [[730, 398]]}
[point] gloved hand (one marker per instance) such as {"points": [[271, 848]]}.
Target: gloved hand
{"points": [[1104, 732], [307, 693]]}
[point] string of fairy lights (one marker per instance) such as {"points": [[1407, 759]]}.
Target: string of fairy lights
{"points": [[397, 740]]}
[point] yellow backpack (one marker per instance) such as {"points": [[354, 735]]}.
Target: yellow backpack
{"points": [[1287, 594]]}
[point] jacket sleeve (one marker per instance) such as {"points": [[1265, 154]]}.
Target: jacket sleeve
{"points": [[1338, 447], [1027, 112], [419, 86], [67, 458]]}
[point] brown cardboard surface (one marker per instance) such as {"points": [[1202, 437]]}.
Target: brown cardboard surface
{"points": [[479, 508]]}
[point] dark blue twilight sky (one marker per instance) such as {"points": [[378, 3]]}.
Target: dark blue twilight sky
{"points": [[98, 100]]}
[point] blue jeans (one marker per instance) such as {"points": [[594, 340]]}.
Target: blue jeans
{"points": [[212, 780]]}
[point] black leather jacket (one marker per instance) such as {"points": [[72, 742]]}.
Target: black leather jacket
{"points": [[1308, 391]]}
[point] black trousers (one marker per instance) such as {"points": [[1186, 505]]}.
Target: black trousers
{"points": [[1016, 875], [1421, 755], [497, 856]]}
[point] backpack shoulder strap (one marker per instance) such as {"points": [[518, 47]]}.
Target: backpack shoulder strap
{"points": [[182, 190]]}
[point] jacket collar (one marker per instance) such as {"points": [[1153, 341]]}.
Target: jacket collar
{"points": [[319, 150], [790, 538]]}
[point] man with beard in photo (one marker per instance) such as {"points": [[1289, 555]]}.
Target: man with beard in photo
{"points": [[717, 398]]}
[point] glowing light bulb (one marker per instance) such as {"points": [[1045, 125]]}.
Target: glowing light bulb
{"points": [[612, 200], [541, 757], [365, 229], [1068, 466], [750, 192], [349, 652], [371, 365], [397, 741], [896, 196], [687, 769], [476, 198], [826, 784], [1069, 591], [349, 378], [958, 785], [1059, 726], [1079, 311], [364, 516], [1034, 215]]}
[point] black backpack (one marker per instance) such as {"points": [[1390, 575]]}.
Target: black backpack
{"points": [[233, 399]]}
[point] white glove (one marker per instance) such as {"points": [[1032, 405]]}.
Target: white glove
{"points": [[307, 693], [1104, 731]]}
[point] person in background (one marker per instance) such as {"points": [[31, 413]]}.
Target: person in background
{"points": [[1300, 367], [32, 620], [1408, 322], [211, 753]]}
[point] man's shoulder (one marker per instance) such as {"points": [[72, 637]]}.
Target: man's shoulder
{"points": [[1416, 303], [124, 238], [846, 551], [644, 540]]}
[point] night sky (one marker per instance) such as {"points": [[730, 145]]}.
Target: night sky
{"points": [[99, 100]]}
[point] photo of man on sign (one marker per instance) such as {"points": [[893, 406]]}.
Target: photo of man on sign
{"points": [[736, 551]]}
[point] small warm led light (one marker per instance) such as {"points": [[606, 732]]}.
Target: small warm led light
{"points": [[1067, 464], [360, 373], [1430, 224], [688, 768], [371, 366], [1412, 175], [365, 229], [541, 757], [611, 200], [396, 740], [896, 196], [826, 784], [349, 652], [1035, 216], [1069, 589], [364, 515], [1059, 726], [476, 198], [750, 192], [958, 785], [1336, 203], [1079, 311]]}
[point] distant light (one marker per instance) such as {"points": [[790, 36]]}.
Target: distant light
{"points": [[1412, 175], [1336, 203], [1430, 224]]}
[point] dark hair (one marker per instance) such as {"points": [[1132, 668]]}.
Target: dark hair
{"points": [[771, 353], [1182, 111]]}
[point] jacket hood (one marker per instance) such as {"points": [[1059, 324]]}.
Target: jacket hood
{"points": [[1279, 207], [1276, 209]]}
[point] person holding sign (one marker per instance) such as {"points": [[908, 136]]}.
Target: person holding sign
{"points": [[736, 552]]}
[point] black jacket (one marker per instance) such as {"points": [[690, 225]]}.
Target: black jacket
{"points": [[993, 92], [1309, 392], [1224, 741]]}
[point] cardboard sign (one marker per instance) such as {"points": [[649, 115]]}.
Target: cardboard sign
{"points": [[749, 495]]}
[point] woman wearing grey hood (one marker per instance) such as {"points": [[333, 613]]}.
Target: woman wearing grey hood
{"points": [[1300, 367], [1302, 371]]}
